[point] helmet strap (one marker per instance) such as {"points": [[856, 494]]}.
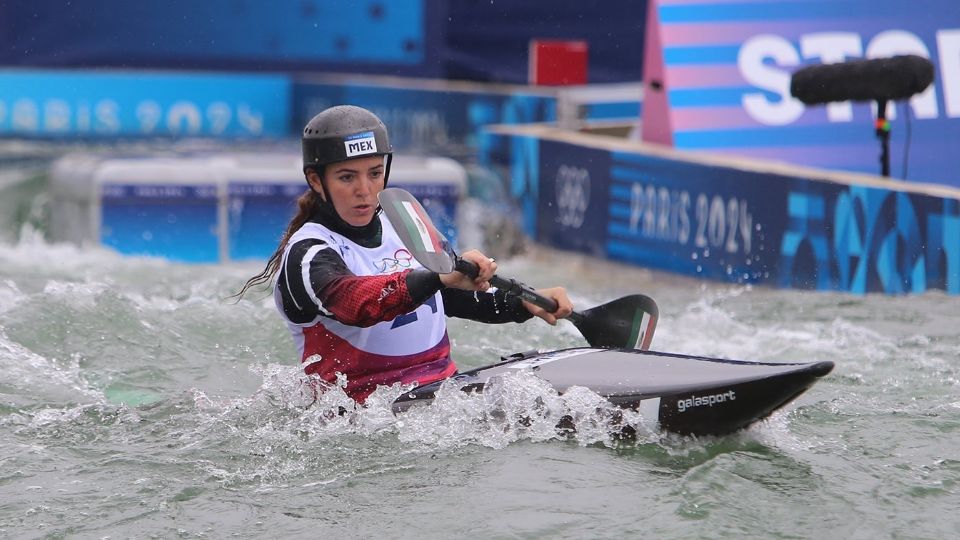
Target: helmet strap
{"points": [[386, 168]]}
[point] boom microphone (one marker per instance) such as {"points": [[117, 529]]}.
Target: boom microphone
{"points": [[881, 79]]}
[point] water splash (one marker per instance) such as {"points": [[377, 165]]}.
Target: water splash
{"points": [[277, 433], [30, 379]]}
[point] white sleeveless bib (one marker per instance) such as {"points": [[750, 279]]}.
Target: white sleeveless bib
{"points": [[408, 334]]}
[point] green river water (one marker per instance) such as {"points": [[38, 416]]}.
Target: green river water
{"points": [[136, 403]]}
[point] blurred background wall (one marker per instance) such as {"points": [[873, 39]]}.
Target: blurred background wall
{"points": [[465, 39]]}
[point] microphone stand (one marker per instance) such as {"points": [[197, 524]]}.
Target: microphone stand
{"points": [[883, 133]]}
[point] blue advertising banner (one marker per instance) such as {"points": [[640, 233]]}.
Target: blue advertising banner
{"points": [[727, 69], [693, 219], [733, 223], [862, 239], [126, 104], [257, 215], [174, 221], [569, 199]]}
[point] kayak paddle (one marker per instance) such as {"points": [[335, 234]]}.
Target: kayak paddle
{"points": [[627, 322]]}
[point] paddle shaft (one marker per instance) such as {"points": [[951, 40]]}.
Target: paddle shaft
{"points": [[513, 287]]}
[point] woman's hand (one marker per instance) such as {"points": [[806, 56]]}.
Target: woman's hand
{"points": [[564, 305], [457, 280]]}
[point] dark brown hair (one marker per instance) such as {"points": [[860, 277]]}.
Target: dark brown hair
{"points": [[306, 207]]}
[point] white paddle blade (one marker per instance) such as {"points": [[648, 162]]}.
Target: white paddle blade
{"points": [[417, 232]]}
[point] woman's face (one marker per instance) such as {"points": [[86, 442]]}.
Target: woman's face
{"points": [[353, 186]]}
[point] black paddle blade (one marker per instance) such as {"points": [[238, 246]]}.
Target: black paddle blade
{"points": [[627, 323], [427, 245]]}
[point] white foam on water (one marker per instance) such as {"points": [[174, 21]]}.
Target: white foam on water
{"points": [[279, 429], [33, 252], [77, 295], [32, 379], [10, 295]]}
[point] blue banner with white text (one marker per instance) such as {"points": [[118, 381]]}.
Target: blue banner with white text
{"points": [[79, 104], [728, 69], [737, 225]]}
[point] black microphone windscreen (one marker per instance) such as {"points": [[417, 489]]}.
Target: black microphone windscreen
{"points": [[894, 78]]}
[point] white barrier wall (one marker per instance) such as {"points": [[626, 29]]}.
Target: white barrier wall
{"points": [[211, 207]]}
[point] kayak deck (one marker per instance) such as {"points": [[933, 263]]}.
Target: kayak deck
{"points": [[692, 394]]}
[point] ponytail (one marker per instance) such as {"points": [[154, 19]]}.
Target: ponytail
{"points": [[306, 206]]}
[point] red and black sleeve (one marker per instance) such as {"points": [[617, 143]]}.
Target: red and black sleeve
{"points": [[315, 280]]}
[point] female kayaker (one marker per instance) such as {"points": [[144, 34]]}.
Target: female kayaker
{"points": [[356, 302]]}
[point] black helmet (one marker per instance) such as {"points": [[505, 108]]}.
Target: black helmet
{"points": [[345, 132]]}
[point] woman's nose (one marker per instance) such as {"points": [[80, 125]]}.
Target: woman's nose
{"points": [[364, 186]]}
